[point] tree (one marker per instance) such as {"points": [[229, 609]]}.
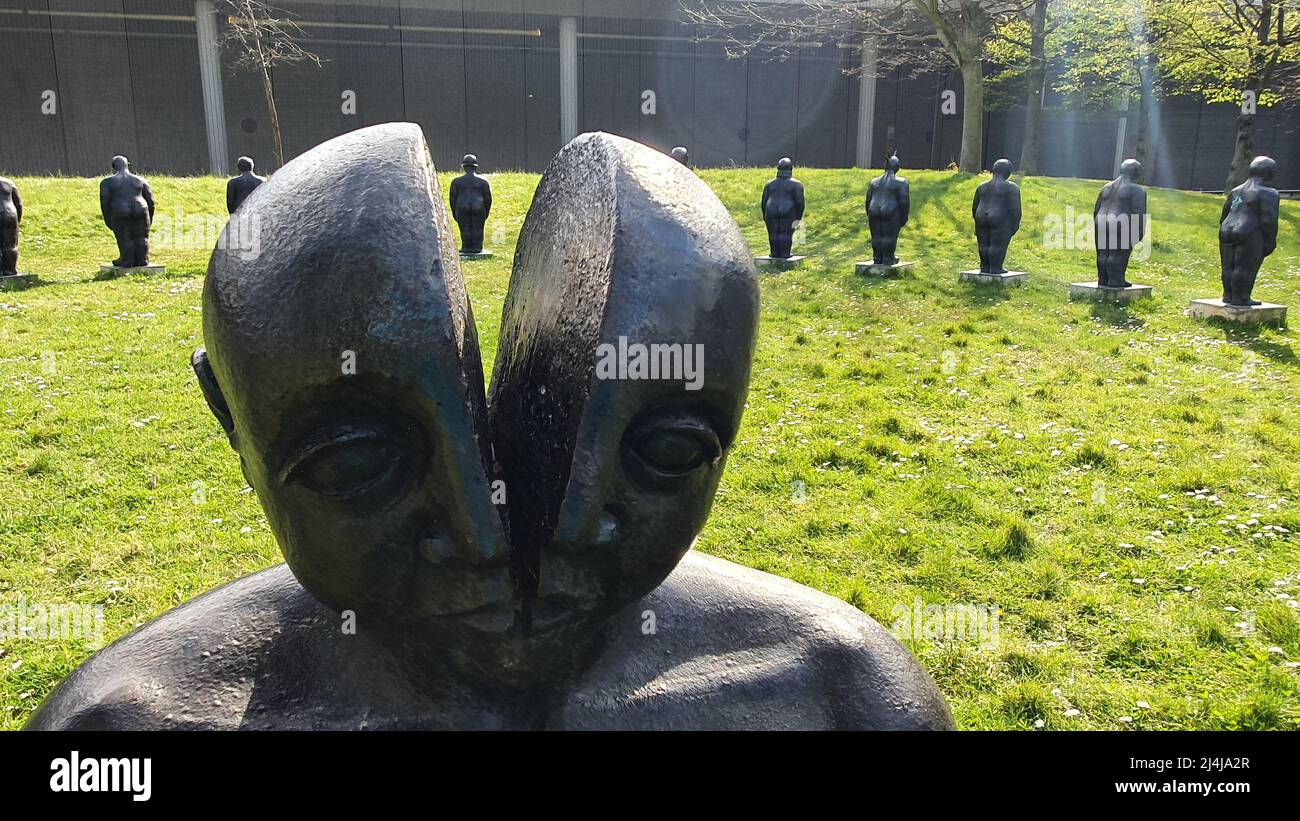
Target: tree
{"points": [[261, 38], [909, 31], [1239, 51], [1020, 46], [1098, 53]]}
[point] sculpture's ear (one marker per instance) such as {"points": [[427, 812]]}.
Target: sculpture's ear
{"points": [[211, 390]]}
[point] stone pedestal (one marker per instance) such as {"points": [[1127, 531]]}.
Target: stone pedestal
{"points": [[476, 255], [1264, 314], [871, 269], [1002, 280], [1097, 293], [109, 269], [774, 263]]}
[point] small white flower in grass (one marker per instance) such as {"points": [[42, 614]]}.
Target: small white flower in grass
{"points": [[1139, 581], [1277, 651], [246, 529], [1071, 713], [1125, 719], [1039, 723], [1142, 705]]}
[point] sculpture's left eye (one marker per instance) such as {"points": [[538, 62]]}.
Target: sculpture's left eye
{"points": [[345, 464], [674, 448]]}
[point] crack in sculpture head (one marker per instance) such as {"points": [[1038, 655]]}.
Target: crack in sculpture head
{"points": [[343, 364], [612, 468]]}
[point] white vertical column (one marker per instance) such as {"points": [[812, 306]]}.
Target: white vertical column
{"points": [[568, 78], [214, 103], [866, 102]]}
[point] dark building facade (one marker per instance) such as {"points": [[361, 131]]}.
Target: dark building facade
{"points": [[511, 81]]}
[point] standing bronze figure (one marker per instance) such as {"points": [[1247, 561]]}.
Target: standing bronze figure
{"points": [[1248, 232], [782, 206], [996, 211], [126, 204], [888, 203], [1119, 224], [239, 187], [471, 202], [11, 216]]}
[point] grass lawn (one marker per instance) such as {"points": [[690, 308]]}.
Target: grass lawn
{"points": [[1122, 484]]}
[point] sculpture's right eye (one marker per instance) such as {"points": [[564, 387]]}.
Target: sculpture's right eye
{"points": [[345, 464]]}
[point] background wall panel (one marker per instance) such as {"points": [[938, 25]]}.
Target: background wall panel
{"points": [[30, 141]]}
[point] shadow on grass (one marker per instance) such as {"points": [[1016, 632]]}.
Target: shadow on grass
{"points": [[1250, 337], [976, 294], [1116, 315], [22, 282]]}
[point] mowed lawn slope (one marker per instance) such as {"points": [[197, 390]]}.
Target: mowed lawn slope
{"points": [[1121, 484]]}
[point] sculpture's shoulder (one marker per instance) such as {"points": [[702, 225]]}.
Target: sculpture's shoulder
{"points": [[7, 185], [192, 667], [719, 646]]}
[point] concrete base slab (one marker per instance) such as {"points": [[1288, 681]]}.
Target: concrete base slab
{"points": [[110, 268], [476, 255], [18, 279], [874, 270], [1263, 314], [1004, 280], [1097, 293], [779, 264]]}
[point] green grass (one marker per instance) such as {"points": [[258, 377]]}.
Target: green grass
{"points": [[904, 438]]}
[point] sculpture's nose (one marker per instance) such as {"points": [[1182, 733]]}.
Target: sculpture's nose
{"points": [[437, 545]]}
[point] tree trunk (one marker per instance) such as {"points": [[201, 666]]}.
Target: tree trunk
{"points": [[275, 115], [972, 116], [1243, 150], [1035, 78], [1142, 151]]}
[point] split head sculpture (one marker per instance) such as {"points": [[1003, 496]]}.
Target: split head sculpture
{"points": [[126, 204], [782, 205], [996, 212], [1248, 232], [1119, 224], [888, 205], [497, 552], [471, 202]]}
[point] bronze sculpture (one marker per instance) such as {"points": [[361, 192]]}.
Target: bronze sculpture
{"points": [[888, 203], [11, 216], [682, 155], [1119, 222], [239, 187], [126, 204], [471, 202], [996, 212], [782, 205], [416, 596], [1248, 232]]}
